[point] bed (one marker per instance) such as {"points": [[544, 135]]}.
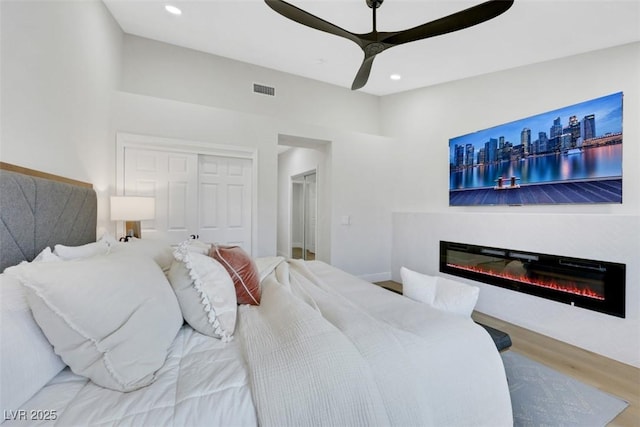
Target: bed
{"points": [[147, 334]]}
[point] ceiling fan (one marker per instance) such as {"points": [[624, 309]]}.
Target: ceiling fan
{"points": [[375, 42]]}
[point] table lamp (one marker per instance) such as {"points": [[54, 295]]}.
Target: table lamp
{"points": [[132, 210]]}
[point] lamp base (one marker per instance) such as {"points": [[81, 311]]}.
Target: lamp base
{"points": [[133, 229]]}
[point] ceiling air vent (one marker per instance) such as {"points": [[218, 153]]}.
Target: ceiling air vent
{"points": [[264, 90]]}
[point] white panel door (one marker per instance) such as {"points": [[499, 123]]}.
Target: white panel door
{"points": [[171, 178], [225, 193]]}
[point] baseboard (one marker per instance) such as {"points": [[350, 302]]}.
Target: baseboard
{"points": [[376, 277]]}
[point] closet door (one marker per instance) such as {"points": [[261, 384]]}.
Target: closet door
{"points": [[170, 177], [225, 193], [205, 195]]}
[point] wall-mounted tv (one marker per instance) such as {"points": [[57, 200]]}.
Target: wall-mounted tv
{"points": [[569, 155]]}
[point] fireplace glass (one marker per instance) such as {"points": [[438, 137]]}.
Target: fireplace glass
{"points": [[591, 284]]}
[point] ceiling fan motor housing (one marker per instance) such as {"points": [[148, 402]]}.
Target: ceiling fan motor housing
{"points": [[374, 48]]}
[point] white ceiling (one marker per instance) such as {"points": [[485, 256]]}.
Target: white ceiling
{"points": [[248, 30]]}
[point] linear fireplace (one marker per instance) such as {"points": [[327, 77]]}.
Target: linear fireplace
{"points": [[591, 284]]}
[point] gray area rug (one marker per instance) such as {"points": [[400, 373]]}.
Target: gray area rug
{"points": [[541, 396]]}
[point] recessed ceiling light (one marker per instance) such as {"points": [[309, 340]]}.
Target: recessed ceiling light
{"points": [[395, 76], [173, 10]]}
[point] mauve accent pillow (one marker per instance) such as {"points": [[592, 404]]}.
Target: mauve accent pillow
{"points": [[243, 271]]}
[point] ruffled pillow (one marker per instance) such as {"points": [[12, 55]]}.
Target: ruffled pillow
{"points": [[205, 293], [243, 271]]}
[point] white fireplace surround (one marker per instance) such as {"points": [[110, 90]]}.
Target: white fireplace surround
{"points": [[606, 237]]}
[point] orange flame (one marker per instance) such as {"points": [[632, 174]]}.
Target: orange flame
{"points": [[570, 288]]}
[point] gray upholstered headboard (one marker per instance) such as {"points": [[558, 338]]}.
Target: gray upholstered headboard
{"points": [[36, 212]]}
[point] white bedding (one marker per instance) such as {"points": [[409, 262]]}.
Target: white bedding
{"points": [[203, 382], [323, 348], [453, 357]]}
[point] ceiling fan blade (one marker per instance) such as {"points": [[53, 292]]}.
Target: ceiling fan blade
{"points": [[305, 18], [457, 21], [363, 73]]}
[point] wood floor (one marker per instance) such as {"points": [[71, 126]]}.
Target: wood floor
{"points": [[297, 254], [605, 374]]}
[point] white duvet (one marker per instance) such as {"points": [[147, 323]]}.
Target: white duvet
{"points": [[202, 383], [323, 348]]}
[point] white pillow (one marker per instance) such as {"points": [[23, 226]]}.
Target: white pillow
{"points": [[101, 247], [27, 359], [158, 250], [111, 318], [455, 297], [197, 246], [439, 292], [417, 286], [46, 256], [266, 265], [205, 292]]}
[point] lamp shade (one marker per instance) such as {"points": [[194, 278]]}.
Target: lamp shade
{"points": [[130, 208]]}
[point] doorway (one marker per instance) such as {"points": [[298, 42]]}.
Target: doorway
{"points": [[299, 157], [304, 215]]}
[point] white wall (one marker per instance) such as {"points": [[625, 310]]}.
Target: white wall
{"points": [[71, 80], [364, 179], [424, 120], [359, 162], [172, 72], [62, 102], [147, 115], [356, 180], [178, 93], [416, 237], [60, 64]]}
